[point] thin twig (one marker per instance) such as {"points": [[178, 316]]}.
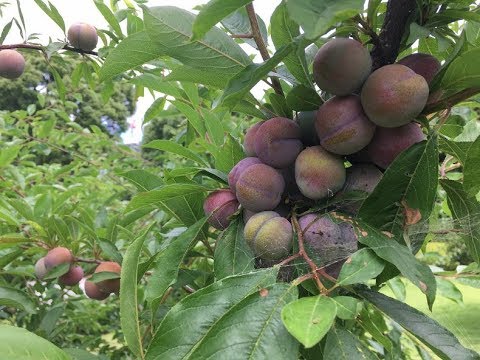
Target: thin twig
{"points": [[450, 101], [262, 48], [367, 30], [42, 48], [88, 261], [303, 253], [242, 36]]}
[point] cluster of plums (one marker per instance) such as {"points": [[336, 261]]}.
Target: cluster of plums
{"points": [[367, 121], [81, 36], [61, 255]]}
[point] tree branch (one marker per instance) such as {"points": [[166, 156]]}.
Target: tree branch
{"points": [[257, 36], [450, 101], [42, 49], [393, 28]]}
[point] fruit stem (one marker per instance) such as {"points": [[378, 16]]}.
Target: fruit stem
{"points": [[262, 48]]}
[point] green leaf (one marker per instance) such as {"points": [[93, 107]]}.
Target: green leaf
{"points": [[104, 275], [348, 307], [59, 82], [9, 240], [284, 31], [239, 23], [171, 29], [401, 257], [229, 155], [471, 170], [466, 210], [52, 12], [441, 341], [176, 148], [309, 319], [232, 254], [372, 321], [408, 185], [463, 72], [9, 257], [213, 12], [279, 105], [17, 299], [303, 98], [166, 192], [133, 51], [157, 83], [208, 310], [20, 344], [362, 266], [343, 345], [143, 180], [459, 149], [199, 76], [213, 126], [241, 83], [447, 289], [57, 271], [110, 17], [316, 17], [128, 296], [5, 31], [154, 110], [8, 154], [169, 259]]}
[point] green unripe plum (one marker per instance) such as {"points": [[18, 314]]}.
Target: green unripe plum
{"points": [[269, 235], [83, 36], [306, 121], [423, 64], [259, 188], [329, 244], [394, 95], [12, 64], [318, 173], [387, 144], [219, 206], [40, 269], [111, 285], [342, 126], [93, 291], [72, 277], [249, 140], [58, 256], [238, 169], [277, 142], [341, 66]]}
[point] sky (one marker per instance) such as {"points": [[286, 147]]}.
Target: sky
{"points": [[85, 11]]}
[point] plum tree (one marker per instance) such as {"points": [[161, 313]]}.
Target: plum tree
{"points": [[306, 121], [388, 143], [342, 126], [341, 66], [40, 269], [394, 95], [238, 169], [72, 277], [269, 235], [260, 187], [12, 64], [83, 36], [277, 142], [249, 140], [58, 256], [110, 285], [93, 291], [318, 173], [219, 206], [423, 64]]}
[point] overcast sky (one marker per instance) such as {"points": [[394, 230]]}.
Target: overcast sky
{"points": [[85, 11]]}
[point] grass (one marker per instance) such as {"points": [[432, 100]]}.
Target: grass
{"points": [[461, 319]]}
